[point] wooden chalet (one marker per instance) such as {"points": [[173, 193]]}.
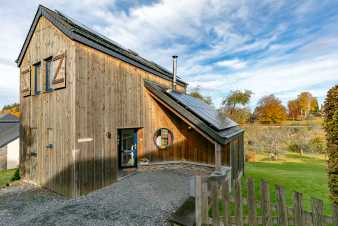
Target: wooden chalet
{"points": [[91, 108]]}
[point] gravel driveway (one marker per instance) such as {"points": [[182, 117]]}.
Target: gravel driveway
{"points": [[144, 198]]}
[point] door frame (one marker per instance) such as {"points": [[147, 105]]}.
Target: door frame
{"points": [[120, 167]]}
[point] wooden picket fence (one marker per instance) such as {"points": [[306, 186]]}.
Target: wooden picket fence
{"points": [[210, 192]]}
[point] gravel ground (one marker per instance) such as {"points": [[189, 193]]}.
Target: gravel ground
{"points": [[144, 198]]}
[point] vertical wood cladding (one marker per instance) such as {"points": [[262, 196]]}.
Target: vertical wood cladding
{"points": [[48, 118]]}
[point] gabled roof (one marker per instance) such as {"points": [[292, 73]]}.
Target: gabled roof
{"points": [[201, 115], [9, 129], [80, 33]]}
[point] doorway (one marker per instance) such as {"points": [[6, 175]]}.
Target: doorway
{"points": [[127, 146]]}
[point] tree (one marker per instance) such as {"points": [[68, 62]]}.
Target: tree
{"points": [[307, 103], [331, 129], [304, 105], [270, 110], [273, 143], [236, 98], [13, 109], [197, 94], [293, 109], [314, 108], [234, 106]]}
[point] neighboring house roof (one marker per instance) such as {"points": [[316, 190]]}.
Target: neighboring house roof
{"points": [[9, 129], [204, 117], [8, 118], [80, 33]]}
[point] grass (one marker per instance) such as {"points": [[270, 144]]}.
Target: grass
{"points": [[305, 174], [6, 177]]}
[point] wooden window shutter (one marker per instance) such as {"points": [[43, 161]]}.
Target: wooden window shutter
{"points": [[59, 71], [26, 82]]}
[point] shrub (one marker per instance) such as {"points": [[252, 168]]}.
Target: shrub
{"points": [[16, 175], [298, 148], [250, 156], [293, 147], [317, 144], [331, 128]]}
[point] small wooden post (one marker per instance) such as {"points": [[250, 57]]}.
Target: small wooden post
{"points": [[205, 202], [335, 214], [198, 200], [317, 212], [252, 218], [226, 202], [298, 209], [266, 204], [281, 207], [218, 156], [215, 206], [238, 203]]}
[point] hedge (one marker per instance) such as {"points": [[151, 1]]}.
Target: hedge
{"points": [[331, 128]]}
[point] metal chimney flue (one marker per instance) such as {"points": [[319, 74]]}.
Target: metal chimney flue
{"points": [[174, 72]]}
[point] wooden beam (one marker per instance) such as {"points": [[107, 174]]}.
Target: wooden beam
{"points": [[218, 156]]}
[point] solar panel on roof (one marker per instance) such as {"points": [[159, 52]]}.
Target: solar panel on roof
{"points": [[204, 111]]}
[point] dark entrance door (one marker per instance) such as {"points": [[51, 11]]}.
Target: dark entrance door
{"points": [[127, 148]]}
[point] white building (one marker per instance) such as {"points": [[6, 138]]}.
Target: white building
{"points": [[9, 141]]}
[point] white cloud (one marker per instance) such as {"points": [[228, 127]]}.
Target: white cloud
{"points": [[288, 78], [233, 64]]}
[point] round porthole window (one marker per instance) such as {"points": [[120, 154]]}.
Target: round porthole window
{"points": [[163, 138]]}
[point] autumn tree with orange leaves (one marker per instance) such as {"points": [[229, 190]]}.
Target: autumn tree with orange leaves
{"points": [[304, 105], [13, 109], [270, 110]]}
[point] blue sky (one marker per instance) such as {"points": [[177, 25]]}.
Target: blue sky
{"points": [[279, 47]]}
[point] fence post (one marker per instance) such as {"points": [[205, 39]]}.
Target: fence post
{"points": [[335, 214], [238, 203], [281, 207], [226, 202], [266, 204], [252, 218], [205, 202], [298, 209], [215, 206], [317, 212], [198, 200]]}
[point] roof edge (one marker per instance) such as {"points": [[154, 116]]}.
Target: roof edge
{"points": [[9, 141]]}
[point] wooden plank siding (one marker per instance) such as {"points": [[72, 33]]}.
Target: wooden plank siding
{"points": [[102, 94], [109, 96], [48, 118]]}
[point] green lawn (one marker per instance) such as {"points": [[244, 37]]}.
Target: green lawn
{"points": [[305, 174], [6, 176]]}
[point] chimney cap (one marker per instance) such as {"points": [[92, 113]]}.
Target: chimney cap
{"points": [[174, 56]]}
